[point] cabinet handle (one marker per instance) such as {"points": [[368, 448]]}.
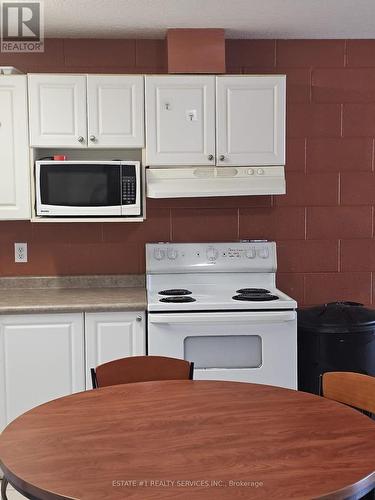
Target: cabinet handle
{"points": [[139, 318], [92, 138], [210, 157], [222, 158], [80, 139]]}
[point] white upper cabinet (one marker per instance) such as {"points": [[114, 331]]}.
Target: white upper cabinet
{"points": [[57, 105], [98, 111], [115, 111], [184, 127], [250, 120], [14, 149], [180, 120]]}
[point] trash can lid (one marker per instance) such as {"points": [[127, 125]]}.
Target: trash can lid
{"points": [[337, 317]]}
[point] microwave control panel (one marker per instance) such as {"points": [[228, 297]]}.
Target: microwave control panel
{"points": [[128, 185]]}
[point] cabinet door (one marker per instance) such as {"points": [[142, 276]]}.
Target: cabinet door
{"points": [[180, 120], [14, 149], [115, 111], [112, 336], [57, 105], [250, 120], [41, 358]]}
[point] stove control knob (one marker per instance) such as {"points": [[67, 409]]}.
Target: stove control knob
{"points": [[212, 253], [172, 254], [251, 254], [263, 253], [159, 254], [260, 171]]}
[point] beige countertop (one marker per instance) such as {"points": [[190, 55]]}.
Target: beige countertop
{"points": [[71, 294]]}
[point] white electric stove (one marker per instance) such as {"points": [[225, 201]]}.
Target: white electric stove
{"points": [[217, 305]]}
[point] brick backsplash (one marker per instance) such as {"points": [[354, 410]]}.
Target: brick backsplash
{"points": [[323, 226]]}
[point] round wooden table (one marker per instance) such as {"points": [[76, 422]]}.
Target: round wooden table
{"points": [[190, 440]]}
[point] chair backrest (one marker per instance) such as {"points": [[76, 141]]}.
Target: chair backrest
{"points": [[142, 369], [353, 389]]}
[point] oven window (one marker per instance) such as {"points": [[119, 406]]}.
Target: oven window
{"points": [[224, 351], [80, 185]]}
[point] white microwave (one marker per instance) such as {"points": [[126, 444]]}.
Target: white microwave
{"points": [[88, 188]]}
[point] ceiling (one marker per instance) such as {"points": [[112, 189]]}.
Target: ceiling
{"points": [[240, 18]]}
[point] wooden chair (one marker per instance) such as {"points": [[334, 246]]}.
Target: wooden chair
{"points": [[141, 369], [353, 389]]}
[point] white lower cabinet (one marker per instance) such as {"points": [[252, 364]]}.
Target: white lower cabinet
{"points": [[41, 358], [111, 336]]}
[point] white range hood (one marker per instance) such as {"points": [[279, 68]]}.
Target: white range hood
{"points": [[183, 182]]}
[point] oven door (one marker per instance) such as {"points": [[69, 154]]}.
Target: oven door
{"points": [[78, 189], [257, 347]]}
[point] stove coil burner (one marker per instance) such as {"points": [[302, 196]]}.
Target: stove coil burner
{"points": [[253, 297], [177, 299], [252, 290], [175, 291]]}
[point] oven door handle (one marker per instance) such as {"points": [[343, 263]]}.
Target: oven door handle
{"points": [[238, 317]]}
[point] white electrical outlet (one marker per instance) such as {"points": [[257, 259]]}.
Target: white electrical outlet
{"points": [[20, 252]]}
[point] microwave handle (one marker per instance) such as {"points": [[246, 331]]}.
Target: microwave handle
{"points": [[237, 317]]}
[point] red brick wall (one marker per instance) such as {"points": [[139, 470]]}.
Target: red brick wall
{"points": [[323, 226]]}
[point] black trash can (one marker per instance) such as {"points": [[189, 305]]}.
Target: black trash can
{"points": [[339, 336]]}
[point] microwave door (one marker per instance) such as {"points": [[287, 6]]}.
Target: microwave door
{"points": [[78, 190]]}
